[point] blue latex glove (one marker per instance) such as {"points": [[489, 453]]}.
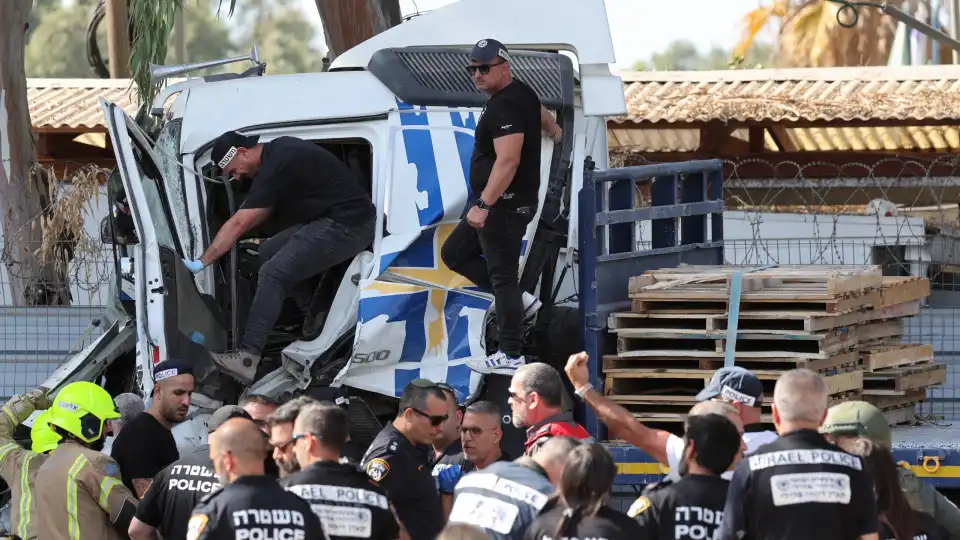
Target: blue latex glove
{"points": [[194, 266], [449, 478]]}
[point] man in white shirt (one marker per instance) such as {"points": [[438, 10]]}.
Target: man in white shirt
{"points": [[734, 385]]}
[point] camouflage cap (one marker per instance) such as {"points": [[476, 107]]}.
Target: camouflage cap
{"points": [[858, 418]]}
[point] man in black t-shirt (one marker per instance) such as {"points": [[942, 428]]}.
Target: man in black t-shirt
{"points": [[692, 507], [505, 185], [332, 220], [167, 505], [146, 445]]}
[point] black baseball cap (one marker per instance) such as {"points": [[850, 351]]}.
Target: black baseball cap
{"points": [[171, 368], [225, 147], [221, 415], [734, 384], [487, 50]]}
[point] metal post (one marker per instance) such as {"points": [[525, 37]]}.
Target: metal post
{"points": [[955, 26], [180, 35], [118, 42]]}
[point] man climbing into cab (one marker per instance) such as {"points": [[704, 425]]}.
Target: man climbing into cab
{"points": [[329, 219]]}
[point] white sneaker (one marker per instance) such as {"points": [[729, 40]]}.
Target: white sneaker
{"points": [[497, 363]]}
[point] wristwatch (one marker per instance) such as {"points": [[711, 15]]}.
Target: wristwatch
{"points": [[481, 205]]}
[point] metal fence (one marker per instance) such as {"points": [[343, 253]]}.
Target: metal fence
{"points": [[34, 341]]}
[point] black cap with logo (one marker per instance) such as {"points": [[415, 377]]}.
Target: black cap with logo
{"points": [[225, 147], [487, 50]]}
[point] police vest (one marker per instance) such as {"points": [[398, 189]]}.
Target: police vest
{"points": [[503, 498], [348, 503], [254, 508], [688, 509], [800, 486]]}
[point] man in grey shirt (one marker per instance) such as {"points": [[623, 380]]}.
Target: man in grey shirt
{"points": [[505, 497]]}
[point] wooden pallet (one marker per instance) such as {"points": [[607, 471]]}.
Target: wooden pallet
{"points": [[767, 321], [844, 361], [622, 382], [901, 415], [902, 290], [879, 332], [878, 358], [813, 282], [711, 343], [682, 404], [900, 380], [910, 397]]}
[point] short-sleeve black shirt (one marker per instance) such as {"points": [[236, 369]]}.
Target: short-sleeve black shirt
{"points": [[143, 448], [348, 502], [253, 507], [304, 182], [404, 471], [514, 109], [691, 507], [607, 523], [175, 492], [800, 487]]}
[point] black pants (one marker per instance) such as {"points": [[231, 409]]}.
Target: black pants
{"points": [[289, 258], [499, 241]]}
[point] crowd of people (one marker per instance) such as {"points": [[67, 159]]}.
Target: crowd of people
{"points": [[291, 471]]}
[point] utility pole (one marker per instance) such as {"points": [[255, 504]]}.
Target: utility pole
{"points": [[118, 41], [180, 37], [955, 26]]}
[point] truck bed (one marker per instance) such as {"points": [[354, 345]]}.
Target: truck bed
{"points": [[937, 444]]}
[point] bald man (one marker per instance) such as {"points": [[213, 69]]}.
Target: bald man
{"points": [[250, 505]]}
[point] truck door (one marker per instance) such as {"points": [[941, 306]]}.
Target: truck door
{"points": [[158, 259]]}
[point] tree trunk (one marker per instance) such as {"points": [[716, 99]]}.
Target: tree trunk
{"points": [[24, 192], [347, 23]]}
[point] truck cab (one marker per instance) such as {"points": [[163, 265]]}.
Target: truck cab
{"points": [[400, 110]]}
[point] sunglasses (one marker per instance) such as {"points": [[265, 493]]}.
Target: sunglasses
{"points": [[434, 420], [297, 436], [283, 446], [484, 69], [474, 431]]}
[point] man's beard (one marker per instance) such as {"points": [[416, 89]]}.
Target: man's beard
{"points": [[289, 467], [223, 479]]}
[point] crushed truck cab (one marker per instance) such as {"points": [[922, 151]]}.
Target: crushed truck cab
{"points": [[400, 110]]}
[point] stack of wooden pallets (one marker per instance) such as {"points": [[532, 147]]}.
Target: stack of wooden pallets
{"points": [[842, 322]]}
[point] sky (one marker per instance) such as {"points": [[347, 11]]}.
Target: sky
{"points": [[641, 27]]}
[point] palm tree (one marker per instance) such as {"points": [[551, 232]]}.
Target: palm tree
{"points": [[810, 35]]}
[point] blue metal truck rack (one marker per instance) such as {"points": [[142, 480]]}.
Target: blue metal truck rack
{"points": [[685, 220]]}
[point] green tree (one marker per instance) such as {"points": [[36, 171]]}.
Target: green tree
{"points": [[283, 36], [57, 47], [208, 37], [683, 55]]}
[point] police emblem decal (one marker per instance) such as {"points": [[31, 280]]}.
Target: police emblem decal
{"points": [[638, 507], [195, 526], [377, 469], [482, 43]]}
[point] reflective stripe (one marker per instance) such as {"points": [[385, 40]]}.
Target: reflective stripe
{"points": [[6, 449], [13, 419], [72, 506], [25, 496], [106, 486]]}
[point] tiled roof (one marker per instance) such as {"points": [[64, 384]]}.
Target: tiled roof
{"points": [[72, 104], [785, 95]]}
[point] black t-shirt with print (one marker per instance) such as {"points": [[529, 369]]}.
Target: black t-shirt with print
{"points": [[514, 109], [304, 182], [607, 524], [143, 448]]}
